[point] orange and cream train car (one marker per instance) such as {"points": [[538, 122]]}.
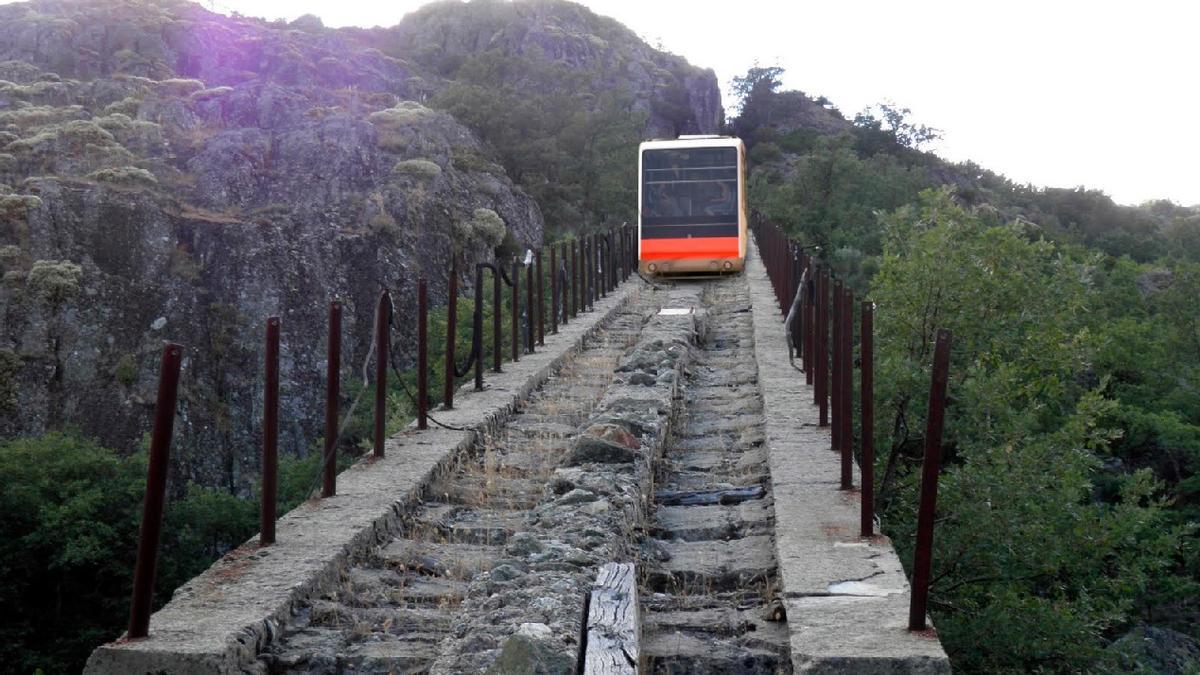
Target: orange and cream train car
{"points": [[692, 205]]}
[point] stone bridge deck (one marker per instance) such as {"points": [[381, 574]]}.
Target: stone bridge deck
{"points": [[474, 551]]}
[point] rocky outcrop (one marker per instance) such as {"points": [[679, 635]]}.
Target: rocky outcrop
{"points": [[171, 173], [677, 97], [137, 205]]}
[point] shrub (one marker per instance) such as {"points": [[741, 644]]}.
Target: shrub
{"points": [[178, 87], [209, 94], [56, 281], [391, 123], [126, 369], [128, 106], [124, 175], [418, 168], [17, 207], [379, 220], [485, 226], [40, 115], [470, 159], [10, 365]]}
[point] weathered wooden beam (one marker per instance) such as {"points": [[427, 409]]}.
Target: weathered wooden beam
{"points": [[706, 497], [613, 625]]}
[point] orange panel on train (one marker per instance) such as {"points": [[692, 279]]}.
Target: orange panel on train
{"points": [[703, 247]]}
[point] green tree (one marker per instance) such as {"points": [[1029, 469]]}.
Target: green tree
{"points": [[1019, 534]]}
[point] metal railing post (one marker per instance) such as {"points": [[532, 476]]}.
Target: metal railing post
{"points": [[451, 325], [497, 315], [553, 290], [422, 357], [516, 312], [270, 449], [867, 419], [847, 388], [332, 392], [835, 381], [382, 320], [477, 324], [810, 320], [156, 489], [576, 294], [923, 554], [529, 310], [541, 301], [822, 375]]}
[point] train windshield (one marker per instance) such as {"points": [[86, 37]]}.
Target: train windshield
{"points": [[695, 189]]}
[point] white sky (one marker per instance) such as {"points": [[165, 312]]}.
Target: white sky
{"points": [[1053, 92]]}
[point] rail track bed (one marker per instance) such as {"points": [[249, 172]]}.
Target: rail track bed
{"points": [[645, 447], [418, 597], [709, 570]]}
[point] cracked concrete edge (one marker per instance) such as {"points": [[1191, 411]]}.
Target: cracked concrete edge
{"points": [[221, 620], [846, 597]]}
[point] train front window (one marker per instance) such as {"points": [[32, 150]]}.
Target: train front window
{"points": [[690, 187]]}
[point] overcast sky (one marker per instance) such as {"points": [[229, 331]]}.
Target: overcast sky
{"points": [[1053, 92]]}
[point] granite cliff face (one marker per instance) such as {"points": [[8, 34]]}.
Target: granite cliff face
{"points": [[170, 173], [677, 97]]}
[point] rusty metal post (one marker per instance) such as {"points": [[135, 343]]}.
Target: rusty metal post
{"points": [[541, 301], [382, 319], [835, 381], [529, 308], [451, 324], [553, 290], [516, 312], [156, 490], [477, 324], [601, 266], [593, 284], [923, 555], [422, 357], [611, 238], [583, 270], [575, 294], [810, 332], [847, 389], [797, 294], [619, 258], [333, 369], [822, 376], [270, 449], [788, 274], [497, 315], [867, 419], [589, 266]]}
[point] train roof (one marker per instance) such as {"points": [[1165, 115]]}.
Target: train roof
{"points": [[712, 141]]}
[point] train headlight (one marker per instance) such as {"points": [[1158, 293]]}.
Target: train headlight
{"points": [[652, 267], [728, 265]]}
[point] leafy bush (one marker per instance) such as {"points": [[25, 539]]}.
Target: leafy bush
{"points": [[17, 207], [55, 281], [178, 86], [69, 517], [124, 175], [418, 168], [391, 123], [485, 226]]}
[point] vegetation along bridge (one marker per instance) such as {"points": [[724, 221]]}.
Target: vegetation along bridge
{"points": [[649, 477]]}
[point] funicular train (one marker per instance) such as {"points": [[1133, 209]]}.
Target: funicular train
{"points": [[692, 206]]}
